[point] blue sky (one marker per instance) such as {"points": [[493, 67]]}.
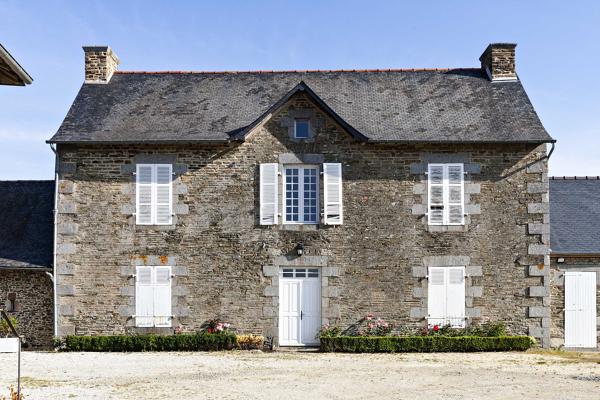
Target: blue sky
{"points": [[558, 54]]}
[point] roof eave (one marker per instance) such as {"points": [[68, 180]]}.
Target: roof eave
{"points": [[26, 79]]}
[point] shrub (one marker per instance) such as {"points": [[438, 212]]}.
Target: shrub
{"points": [[424, 344], [5, 329], [370, 325], [201, 341], [250, 342], [488, 329], [329, 331]]}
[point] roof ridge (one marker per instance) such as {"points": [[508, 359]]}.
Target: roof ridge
{"points": [[575, 178], [298, 71]]}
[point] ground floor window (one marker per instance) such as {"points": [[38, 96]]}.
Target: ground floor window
{"points": [[153, 296], [446, 296]]}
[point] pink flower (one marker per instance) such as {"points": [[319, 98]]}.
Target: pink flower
{"points": [[369, 317]]}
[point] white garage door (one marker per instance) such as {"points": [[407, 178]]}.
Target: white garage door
{"points": [[299, 306], [580, 309]]}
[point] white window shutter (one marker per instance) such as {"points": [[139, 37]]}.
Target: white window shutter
{"points": [[268, 194], [436, 296], [332, 184], [435, 185], [454, 194], [144, 194], [144, 297], [455, 296], [163, 192], [162, 296]]}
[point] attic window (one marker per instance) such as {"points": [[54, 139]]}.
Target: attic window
{"points": [[301, 129]]}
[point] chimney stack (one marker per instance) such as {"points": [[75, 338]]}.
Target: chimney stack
{"points": [[100, 64], [498, 61]]}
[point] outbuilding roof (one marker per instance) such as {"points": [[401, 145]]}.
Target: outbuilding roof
{"points": [[11, 73], [448, 105], [575, 215], [26, 224]]}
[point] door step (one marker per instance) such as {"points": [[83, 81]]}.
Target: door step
{"points": [[298, 349]]}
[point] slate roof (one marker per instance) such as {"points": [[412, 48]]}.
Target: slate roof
{"points": [[26, 224], [575, 215], [456, 105], [11, 73]]}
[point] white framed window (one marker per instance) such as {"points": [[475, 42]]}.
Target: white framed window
{"points": [[446, 296], [446, 194], [153, 296], [301, 194], [154, 194], [301, 128]]}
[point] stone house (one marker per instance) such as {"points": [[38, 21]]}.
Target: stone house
{"points": [[280, 201], [575, 261]]}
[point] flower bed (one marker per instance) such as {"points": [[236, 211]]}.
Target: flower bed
{"points": [[424, 344], [201, 341]]}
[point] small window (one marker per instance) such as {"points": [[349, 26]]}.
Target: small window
{"points": [[11, 302], [301, 129]]}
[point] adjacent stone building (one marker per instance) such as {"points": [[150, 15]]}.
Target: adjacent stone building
{"points": [[282, 201], [575, 261], [26, 237]]}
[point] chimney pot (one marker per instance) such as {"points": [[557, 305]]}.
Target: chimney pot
{"points": [[100, 63], [498, 61]]}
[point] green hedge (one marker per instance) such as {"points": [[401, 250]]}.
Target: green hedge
{"points": [[424, 344], [201, 341]]}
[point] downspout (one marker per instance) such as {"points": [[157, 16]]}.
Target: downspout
{"points": [[55, 211]]}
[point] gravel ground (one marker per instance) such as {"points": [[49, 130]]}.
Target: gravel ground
{"points": [[293, 375]]}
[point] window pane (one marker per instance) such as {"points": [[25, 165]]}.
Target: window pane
{"points": [[301, 130], [291, 194], [310, 195]]}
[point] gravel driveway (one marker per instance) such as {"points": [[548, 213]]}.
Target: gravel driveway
{"points": [[292, 375]]}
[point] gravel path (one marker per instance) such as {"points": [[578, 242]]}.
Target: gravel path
{"points": [[291, 375]]}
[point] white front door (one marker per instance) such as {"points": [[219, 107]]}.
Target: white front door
{"points": [[299, 306], [580, 309]]}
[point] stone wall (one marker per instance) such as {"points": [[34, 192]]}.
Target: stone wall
{"points": [[227, 262], [33, 305], [558, 293]]}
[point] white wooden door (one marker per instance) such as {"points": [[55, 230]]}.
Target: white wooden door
{"points": [[580, 309], [299, 306]]}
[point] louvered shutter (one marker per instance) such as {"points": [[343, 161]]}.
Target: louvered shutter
{"points": [[436, 194], [268, 194], [454, 193], [163, 196], [144, 194], [455, 296], [162, 296], [332, 183], [144, 297], [436, 296]]}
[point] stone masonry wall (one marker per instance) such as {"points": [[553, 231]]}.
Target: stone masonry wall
{"points": [[34, 299], [558, 293], [226, 263]]}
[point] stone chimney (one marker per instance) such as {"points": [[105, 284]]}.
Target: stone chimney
{"points": [[498, 60], [100, 64]]}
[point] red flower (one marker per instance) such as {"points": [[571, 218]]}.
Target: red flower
{"points": [[210, 330], [436, 328]]}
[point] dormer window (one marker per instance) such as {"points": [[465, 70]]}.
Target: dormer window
{"points": [[301, 129]]}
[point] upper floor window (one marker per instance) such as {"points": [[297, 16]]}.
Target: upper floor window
{"points": [[446, 194], [301, 129], [301, 194], [154, 194], [300, 197]]}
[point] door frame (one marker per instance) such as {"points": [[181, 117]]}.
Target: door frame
{"points": [[314, 342], [594, 308]]}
